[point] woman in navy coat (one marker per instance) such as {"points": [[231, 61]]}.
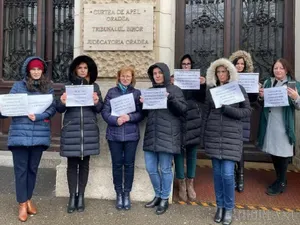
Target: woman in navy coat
{"points": [[29, 135], [123, 135]]}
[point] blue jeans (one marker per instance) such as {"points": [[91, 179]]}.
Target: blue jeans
{"points": [[161, 180], [123, 158], [224, 182]]}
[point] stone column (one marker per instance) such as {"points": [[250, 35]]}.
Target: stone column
{"points": [[296, 159], [100, 184]]}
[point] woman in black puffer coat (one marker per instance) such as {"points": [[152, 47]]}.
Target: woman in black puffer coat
{"points": [[192, 128], [80, 131], [223, 136], [243, 63], [163, 137]]}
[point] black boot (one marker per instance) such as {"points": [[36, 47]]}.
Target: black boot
{"points": [[277, 189], [240, 186], [235, 176], [126, 201], [219, 215], [72, 203], [119, 201], [153, 203], [80, 202], [271, 187], [240, 175], [162, 207], [227, 218]]}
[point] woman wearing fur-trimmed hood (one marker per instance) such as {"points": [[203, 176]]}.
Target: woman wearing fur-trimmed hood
{"points": [[223, 140], [80, 132], [242, 61], [248, 63]]}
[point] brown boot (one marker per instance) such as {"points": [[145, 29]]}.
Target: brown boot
{"points": [[31, 209], [182, 190], [23, 211], [190, 189]]}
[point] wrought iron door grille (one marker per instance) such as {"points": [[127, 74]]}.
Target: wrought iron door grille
{"points": [[36, 27], [204, 31], [19, 35], [262, 32], [63, 39]]}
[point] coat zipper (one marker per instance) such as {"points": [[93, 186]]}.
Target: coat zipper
{"points": [[155, 130], [221, 131], [81, 130]]}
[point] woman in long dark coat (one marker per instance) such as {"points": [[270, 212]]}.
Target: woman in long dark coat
{"points": [[223, 137], [80, 131], [243, 63]]}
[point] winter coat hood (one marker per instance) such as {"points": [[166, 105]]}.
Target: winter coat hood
{"points": [[92, 69], [247, 58], [186, 56], [211, 78], [166, 71], [24, 72]]}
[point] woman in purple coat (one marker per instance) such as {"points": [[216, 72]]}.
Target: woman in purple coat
{"points": [[123, 136]]}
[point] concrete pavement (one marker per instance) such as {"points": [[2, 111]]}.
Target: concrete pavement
{"points": [[52, 210]]}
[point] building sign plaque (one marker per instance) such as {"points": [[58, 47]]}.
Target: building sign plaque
{"points": [[118, 27]]}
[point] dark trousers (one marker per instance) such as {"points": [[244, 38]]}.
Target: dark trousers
{"points": [[123, 157], [280, 166], [78, 173], [26, 162], [240, 164]]}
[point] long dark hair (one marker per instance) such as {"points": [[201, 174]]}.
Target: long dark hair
{"points": [[234, 62], [186, 56], [286, 65], [41, 85]]}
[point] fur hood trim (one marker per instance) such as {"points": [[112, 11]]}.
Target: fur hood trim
{"points": [[92, 69], [246, 56], [211, 79]]}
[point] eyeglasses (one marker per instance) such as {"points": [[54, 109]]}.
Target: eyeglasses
{"points": [[125, 77], [186, 64]]}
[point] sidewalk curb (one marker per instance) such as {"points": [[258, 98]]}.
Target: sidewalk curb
{"points": [[49, 159]]}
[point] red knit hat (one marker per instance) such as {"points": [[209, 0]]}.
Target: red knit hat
{"points": [[35, 63]]}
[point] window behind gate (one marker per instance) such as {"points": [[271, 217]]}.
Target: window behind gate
{"points": [[35, 27], [216, 28]]}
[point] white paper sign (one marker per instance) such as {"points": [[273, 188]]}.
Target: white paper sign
{"points": [[227, 94], [275, 97], [79, 95], [154, 98], [187, 79], [122, 105], [249, 81], [37, 104], [14, 105]]}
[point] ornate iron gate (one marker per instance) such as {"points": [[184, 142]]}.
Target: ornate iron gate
{"points": [[215, 28], [35, 27], [204, 31]]}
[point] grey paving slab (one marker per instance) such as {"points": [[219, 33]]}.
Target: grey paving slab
{"points": [[52, 210]]}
